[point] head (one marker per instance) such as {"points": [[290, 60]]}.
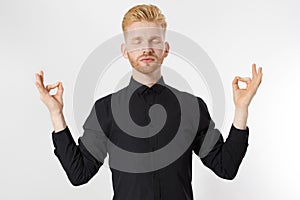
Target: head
{"points": [[144, 29]]}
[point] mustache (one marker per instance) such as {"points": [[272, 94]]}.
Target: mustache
{"points": [[147, 55]]}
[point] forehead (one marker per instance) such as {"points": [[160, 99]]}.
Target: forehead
{"points": [[144, 29]]}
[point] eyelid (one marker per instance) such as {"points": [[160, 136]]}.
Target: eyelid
{"points": [[138, 40], [156, 39]]}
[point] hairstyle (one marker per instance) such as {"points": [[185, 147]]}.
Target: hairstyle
{"points": [[149, 13]]}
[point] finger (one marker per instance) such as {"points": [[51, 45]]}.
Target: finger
{"points": [[39, 79], [60, 89], [254, 73], [41, 89], [260, 70], [235, 85], [244, 79], [51, 86], [42, 74], [259, 77]]}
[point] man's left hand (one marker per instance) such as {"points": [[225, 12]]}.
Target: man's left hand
{"points": [[243, 97]]}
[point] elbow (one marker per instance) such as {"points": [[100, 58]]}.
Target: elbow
{"points": [[75, 183], [81, 176], [227, 175], [78, 181]]}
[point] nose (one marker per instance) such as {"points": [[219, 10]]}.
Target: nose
{"points": [[148, 50]]}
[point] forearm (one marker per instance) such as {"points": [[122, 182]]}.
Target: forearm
{"points": [[225, 157], [240, 118], [77, 162], [58, 122]]}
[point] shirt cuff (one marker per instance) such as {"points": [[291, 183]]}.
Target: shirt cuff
{"points": [[239, 134], [62, 137]]}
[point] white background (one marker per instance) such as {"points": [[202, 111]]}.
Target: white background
{"points": [[58, 36]]}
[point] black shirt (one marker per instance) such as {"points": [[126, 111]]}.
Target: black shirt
{"points": [[132, 181]]}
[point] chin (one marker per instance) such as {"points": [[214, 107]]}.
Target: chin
{"points": [[145, 70], [149, 68]]}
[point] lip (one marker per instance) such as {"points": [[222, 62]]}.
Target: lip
{"points": [[147, 59]]}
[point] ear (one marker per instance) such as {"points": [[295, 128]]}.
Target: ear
{"points": [[124, 51], [167, 49]]}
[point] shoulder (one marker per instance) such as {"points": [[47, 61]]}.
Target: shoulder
{"points": [[103, 103], [188, 95]]}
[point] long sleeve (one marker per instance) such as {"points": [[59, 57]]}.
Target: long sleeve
{"points": [[223, 158], [79, 165], [81, 162]]}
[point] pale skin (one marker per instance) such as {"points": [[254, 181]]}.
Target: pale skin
{"points": [[148, 73], [242, 97], [54, 102]]}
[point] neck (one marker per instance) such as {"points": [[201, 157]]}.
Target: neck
{"points": [[146, 79]]}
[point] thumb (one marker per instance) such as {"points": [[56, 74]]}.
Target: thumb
{"points": [[51, 86]]}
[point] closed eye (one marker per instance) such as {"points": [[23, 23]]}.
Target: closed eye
{"points": [[136, 41], [156, 41]]}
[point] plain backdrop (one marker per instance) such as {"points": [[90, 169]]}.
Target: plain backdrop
{"points": [[58, 36]]}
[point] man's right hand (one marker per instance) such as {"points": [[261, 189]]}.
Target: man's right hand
{"points": [[54, 102]]}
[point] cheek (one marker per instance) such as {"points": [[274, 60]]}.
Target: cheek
{"points": [[159, 53], [133, 55]]}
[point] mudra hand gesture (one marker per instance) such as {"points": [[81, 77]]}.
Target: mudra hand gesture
{"points": [[54, 102], [243, 97]]}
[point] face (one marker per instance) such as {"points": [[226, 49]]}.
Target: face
{"points": [[145, 46]]}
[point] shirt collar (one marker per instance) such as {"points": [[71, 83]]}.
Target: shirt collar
{"points": [[141, 88]]}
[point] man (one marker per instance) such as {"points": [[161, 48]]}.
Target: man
{"points": [[107, 130]]}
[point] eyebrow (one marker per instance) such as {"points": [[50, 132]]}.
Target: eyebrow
{"points": [[139, 37], [135, 38]]}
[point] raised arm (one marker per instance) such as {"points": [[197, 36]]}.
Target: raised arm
{"points": [[54, 103], [224, 158], [78, 162]]}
